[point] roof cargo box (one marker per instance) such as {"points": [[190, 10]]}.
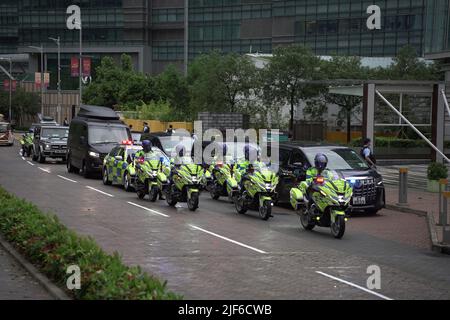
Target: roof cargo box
{"points": [[96, 112]]}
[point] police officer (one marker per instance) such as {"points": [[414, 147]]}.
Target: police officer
{"points": [[146, 149], [367, 154], [319, 169]]}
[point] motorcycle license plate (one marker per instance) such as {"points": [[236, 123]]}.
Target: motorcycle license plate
{"points": [[357, 201]]}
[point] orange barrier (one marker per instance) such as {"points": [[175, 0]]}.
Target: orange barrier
{"points": [[338, 136]]}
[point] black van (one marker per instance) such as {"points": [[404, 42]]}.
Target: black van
{"points": [[93, 133]]}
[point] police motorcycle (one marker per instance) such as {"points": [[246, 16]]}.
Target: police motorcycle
{"points": [[152, 167], [257, 184], [222, 182], [26, 143], [185, 180], [322, 200]]}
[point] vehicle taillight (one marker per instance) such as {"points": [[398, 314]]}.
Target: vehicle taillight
{"points": [[141, 160], [127, 142]]}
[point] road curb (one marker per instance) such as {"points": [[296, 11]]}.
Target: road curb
{"points": [[51, 288], [436, 246], [406, 210]]}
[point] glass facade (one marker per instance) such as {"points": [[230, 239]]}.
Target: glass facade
{"points": [[437, 38], [328, 27], [9, 26]]}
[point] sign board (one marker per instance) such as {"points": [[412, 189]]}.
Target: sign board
{"points": [[75, 67], [86, 66], [37, 79], [6, 85]]}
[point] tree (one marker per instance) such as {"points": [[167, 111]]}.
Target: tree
{"points": [[346, 68], [116, 85], [23, 104], [171, 86], [286, 76], [221, 82]]}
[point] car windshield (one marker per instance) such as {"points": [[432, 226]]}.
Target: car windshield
{"points": [[338, 159], [136, 136], [3, 127], [236, 149], [54, 133], [107, 134], [170, 142]]}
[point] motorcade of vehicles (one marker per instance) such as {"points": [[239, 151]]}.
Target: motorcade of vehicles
{"points": [[49, 141]]}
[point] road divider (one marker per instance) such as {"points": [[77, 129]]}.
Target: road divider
{"points": [[354, 285], [67, 179], [149, 210], [227, 239], [100, 191]]}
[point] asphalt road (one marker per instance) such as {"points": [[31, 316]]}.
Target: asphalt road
{"points": [[215, 253]]}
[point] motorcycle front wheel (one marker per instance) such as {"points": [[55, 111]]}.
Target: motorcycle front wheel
{"points": [[338, 227], [153, 193], [214, 194], [265, 211], [170, 199], [193, 202]]}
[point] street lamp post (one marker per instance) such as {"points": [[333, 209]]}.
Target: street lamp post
{"points": [[58, 110], [41, 50], [186, 36], [10, 86]]}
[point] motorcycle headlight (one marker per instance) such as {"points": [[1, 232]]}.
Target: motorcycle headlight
{"points": [[154, 173], [94, 154]]}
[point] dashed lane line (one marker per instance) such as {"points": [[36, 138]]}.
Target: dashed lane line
{"points": [[149, 210], [227, 239], [45, 170], [354, 285], [30, 163], [100, 191], [67, 179]]}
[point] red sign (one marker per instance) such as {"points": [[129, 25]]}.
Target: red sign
{"points": [[6, 85], [75, 67], [86, 67]]}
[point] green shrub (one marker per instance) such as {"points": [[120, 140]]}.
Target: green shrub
{"points": [[437, 171], [52, 247]]}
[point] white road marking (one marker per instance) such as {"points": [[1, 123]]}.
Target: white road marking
{"points": [[99, 191], [149, 210], [354, 285], [30, 163], [227, 239], [62, 177], [23, 158], [45, 170]]}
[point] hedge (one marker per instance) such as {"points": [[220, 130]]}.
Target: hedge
{"points": [[50, 246], [386, 142]]}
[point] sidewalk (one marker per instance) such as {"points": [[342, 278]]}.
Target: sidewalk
{"points": [[16, 283], [421, 201]]}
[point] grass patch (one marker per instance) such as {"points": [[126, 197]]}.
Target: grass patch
{"points": [[50, 246]]}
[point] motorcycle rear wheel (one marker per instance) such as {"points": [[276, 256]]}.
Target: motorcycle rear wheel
{"points": [[239, 204], [338, 227], [170, 200], [306, 222]]}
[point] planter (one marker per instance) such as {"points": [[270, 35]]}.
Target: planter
{"points": [[433, 186]]}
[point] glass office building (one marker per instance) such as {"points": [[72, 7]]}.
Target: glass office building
{"points": [[152, 31]]}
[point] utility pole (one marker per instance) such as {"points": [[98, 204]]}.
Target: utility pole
{"points": [[41, 50], [186, 36], [58, 110]]}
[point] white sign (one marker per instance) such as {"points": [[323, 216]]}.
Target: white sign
{"points": [[374, 21], [74, 20]]}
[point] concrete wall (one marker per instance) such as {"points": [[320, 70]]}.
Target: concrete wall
{"points": [[223, 121]]}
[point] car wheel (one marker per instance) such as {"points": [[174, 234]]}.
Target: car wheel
{"points": [[127, 182], [41, 158], [84, 171], [105, 176], [70, 167]]}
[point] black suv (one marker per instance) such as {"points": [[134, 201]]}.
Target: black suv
{"points": [[296, 157], [49, 141]]}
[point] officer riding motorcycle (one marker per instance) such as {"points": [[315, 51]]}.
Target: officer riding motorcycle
{"points": [[26, 143], [257, 184], [323, 199], [151, 178], [185, 180]]}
